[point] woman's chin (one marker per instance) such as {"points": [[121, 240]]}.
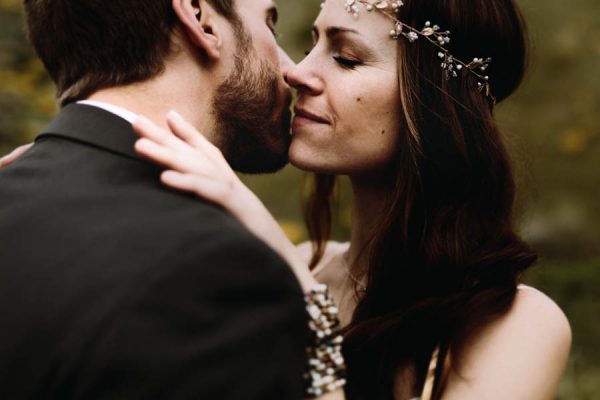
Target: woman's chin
{"points": [[306, 165], [326, 164], [312, 164], [305, 157]]}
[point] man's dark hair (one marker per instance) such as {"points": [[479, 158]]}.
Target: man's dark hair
{"points": [[88, 45]]}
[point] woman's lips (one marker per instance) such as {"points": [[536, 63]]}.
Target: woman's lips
{"points": [[303, 116]]}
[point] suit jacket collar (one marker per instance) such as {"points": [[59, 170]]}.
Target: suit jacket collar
{"points": [[94, 126]]}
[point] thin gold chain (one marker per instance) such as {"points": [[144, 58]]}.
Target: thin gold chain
{"points": [[361, 286]]}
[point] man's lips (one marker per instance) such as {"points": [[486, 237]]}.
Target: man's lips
{"points": [[307, 115]]}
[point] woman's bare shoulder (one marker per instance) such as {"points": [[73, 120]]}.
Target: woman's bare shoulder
{"points": [[521, 356], [535, 311]]}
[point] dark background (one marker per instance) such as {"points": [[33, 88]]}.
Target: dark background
{"points": [[552, 125]]}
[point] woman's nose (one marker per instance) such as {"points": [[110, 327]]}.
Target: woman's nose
{"points": [[305, 76], [285, 62]]}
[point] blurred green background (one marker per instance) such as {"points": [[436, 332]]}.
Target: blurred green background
{"points": [[552, 125]]}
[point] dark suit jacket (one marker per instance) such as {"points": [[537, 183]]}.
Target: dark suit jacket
{"points": [[114, 287]]}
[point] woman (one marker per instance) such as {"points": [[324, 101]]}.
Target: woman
{"points": [[431, 273]]}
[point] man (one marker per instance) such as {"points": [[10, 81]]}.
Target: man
{"points": [[110, 285]]}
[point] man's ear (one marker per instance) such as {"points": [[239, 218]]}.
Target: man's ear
{"points": [[197, 19]]}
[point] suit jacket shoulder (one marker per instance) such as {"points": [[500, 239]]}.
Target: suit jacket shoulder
{"points": [[112, 286]]}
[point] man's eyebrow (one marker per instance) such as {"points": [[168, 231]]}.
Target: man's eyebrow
{"points": [[273, 14]]}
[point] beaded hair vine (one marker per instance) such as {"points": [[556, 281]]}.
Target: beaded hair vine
{"points": [[451, 65]]}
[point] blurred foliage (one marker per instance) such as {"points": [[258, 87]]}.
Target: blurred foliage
{"points": [[26, 94], [552, 126]]}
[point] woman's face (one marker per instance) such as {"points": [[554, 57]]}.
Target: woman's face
{"points": [[347, 114]]}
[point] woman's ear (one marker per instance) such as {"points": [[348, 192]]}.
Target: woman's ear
{"points": [[197, 19]]}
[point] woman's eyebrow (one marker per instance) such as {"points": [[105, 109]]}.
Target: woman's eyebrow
{"points": [[336, 33], [333, 31]]}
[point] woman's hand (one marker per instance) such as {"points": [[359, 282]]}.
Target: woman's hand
{"points": [[195, 165], [14, 155]]}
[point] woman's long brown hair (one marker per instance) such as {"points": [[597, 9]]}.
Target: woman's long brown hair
{"points": [[445, 259]]}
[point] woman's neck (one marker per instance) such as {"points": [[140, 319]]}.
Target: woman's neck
{"points": [[370, 197]]}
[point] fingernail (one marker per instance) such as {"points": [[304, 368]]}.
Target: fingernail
{"points": [[168, 175], [145, 144], [141, 120], [175, 115]]}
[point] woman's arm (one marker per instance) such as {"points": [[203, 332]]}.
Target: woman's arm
{"points": [[522, 356]]}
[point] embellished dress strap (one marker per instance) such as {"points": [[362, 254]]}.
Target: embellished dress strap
{"points": [[437, 373]]}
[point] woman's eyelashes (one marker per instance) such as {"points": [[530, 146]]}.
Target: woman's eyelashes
{"points": [[346, 62], [342, 61]]}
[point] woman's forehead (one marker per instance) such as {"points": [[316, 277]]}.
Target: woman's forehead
{"points": [[370, 26]]}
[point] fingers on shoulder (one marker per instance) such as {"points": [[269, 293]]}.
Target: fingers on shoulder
{"points": [[14, 155]]}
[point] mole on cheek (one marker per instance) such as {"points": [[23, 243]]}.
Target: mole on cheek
{"points": [[383, 131], [358, 99]]}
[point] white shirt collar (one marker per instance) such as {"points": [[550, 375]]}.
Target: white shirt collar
{"points": [[119, 111]]}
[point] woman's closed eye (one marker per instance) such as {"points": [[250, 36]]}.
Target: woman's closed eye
{"points": [[343, 61], [346, 63]]}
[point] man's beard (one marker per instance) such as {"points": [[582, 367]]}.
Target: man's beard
{"points": [[251, 127]]}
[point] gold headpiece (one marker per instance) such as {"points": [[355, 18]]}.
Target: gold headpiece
{"points": [[432, 33]]}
